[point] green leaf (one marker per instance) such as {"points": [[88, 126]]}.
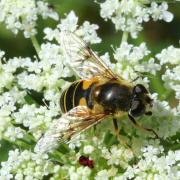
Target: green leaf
{"points": [[4, 149], [63, 148], [109, 139], [29, 99]]}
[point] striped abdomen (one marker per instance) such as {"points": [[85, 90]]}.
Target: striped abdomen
{"points": [[78, 93]]}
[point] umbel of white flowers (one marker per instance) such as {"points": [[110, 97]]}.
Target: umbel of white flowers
{"points": [[23, 117]]}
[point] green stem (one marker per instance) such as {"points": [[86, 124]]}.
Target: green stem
{"points": [[19, 143], [35, 44], [124, 37]]}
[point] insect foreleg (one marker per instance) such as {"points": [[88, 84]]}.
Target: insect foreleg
{"points": [[140, 127]]}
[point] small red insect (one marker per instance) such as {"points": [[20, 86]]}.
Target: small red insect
{"points": [[85, 161]]}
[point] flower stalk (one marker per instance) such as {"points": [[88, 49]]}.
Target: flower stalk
{"points": [[124, 37], [35, 44]]}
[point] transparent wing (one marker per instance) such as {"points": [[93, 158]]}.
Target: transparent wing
{"points": [[82, 59], [68, 126]]}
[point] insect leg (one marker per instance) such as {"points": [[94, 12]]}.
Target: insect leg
{"points": [[135, 79], [140, 127], [120, 138], [140, 75]]}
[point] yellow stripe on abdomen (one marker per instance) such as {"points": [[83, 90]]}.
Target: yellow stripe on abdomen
{"points": [[83, 102], [74, 93]]}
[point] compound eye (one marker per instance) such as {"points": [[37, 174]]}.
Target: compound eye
{"points": [[137, 108], [135, 105], [139, 88]]}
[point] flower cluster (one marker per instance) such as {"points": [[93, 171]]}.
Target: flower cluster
{"points": [[22, 15], [9, 99], [27, 165], [128, 15], [155, 165], [86, 31], [130, 60], [168, 57], [30, 89]]}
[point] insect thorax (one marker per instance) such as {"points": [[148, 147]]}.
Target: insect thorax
{"points": [[113, 96]]}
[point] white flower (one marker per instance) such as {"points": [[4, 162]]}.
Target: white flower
{"points": [[88, 31], [52, 95], [108, 8], [8, 101], [117, 155], [127, 6], [166, 117], [31, 81], [120, 22], [34, 118], [13, 133], [44, 10], [51, 34], [123, 51], [106, 174], [75, 142], [6, 80], [130, 59], [22, 15], [50, 54], [14, 63], [88, 149], [2, 53], [128, 15], [106, 59], [138, 53], [79, 173], [149, 66], [171, 79], [133, 27], [169, 55], [131, 54], [27, 165], [69, 23], [103, 174], [154, 164], [160, 12], [142, 14]]}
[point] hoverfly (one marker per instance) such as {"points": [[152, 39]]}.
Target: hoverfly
{"points": [[97, 95]]}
